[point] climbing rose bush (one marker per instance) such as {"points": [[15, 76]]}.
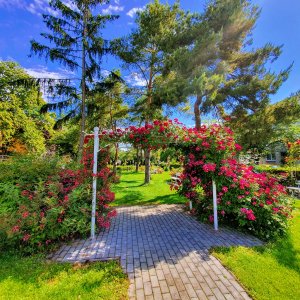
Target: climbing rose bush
{"points": [[57, 207], [253, 202]]}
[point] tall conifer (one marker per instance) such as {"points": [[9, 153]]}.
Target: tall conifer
{"points": [[76, 43]]}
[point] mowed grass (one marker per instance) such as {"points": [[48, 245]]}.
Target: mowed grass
{"points": [[270, 272], [34, 278], [132, 191]]}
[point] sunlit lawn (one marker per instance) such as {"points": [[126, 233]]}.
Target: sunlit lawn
{"points": [[34, 278], [132, 191], [271, 272]]}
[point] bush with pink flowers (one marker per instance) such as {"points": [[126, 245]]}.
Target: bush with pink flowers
{"points": [[252, 202], [37, 213]]}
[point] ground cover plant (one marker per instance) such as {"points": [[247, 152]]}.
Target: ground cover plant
{"points": [[268, 272], [36, 279], [132, 191]]}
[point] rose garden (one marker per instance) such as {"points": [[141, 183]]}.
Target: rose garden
{"points": [[54, 205], [105, 194]]}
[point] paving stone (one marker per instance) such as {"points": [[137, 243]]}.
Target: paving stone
{"points": [[157, 295], [200, 294], [140, 295], [154, 281], [167, 296], [174, 293], [164, 286], [218, 294], [184, 295], [165, 253], [148, 288]]}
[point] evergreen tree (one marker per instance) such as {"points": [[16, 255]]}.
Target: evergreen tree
{"points": [[76, 43], [144, 52], [268, 124], [216, 64]]}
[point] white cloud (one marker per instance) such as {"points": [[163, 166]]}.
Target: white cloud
{"points": [[36, 7], [43, 72], [12, 3], [136, 79], [117, 2], [134, 10], [112, 9], [105, 73]]}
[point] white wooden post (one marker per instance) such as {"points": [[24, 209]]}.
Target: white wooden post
{"points": [[96, 149], [191, 205], [215, 205]]}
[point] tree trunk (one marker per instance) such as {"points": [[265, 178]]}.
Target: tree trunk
{"points": [[116, 158], [137, 160], [83, 87], [197, 112], [148, 118], [147, 165]]}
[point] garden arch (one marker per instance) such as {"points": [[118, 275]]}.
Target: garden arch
{"points": [[167, 134]]}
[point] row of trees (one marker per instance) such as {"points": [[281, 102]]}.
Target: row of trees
{"points": [[206, 58]]}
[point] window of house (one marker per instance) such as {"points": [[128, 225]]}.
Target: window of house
{"points": [[271, 157]]}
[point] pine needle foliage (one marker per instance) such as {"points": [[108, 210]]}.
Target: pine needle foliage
{"points": [[74, 40]]}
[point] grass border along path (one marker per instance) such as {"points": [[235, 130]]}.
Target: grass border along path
{"points": [[35, 278], [270, 272]]}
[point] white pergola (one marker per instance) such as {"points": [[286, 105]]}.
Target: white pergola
{"points": [[94, 194]]}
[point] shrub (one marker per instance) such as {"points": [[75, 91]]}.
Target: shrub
{"points": [[55, 205], [286, 175], [253, 202]]}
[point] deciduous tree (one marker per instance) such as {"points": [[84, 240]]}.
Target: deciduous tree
{"points": [[21, 124]]}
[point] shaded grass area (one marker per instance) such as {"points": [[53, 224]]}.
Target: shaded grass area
{"points": [[132, 191], [271, 271], [34, 278]]}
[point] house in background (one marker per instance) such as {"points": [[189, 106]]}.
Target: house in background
{"points": [[275, 154]]}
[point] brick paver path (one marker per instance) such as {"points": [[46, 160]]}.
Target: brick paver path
{"points": [[165, 254]]}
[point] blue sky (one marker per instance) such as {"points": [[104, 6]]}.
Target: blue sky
{"points": [[21, 20]]}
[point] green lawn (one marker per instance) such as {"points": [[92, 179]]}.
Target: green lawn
{"points": [[270, 272], [34, 278], [132, 191]]}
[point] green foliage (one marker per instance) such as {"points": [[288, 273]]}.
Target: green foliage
{"points": [[266, 124], [286, 175], [65, 140], [78, 45], [35, 278], [28, 169], [20, 120], [212, 62], [105, 103], [43, 202], [145, 49]]}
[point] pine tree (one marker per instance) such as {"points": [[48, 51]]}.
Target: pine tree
{"points": [[266, 125], [76, 43], [217, 66], [144, 52]]}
